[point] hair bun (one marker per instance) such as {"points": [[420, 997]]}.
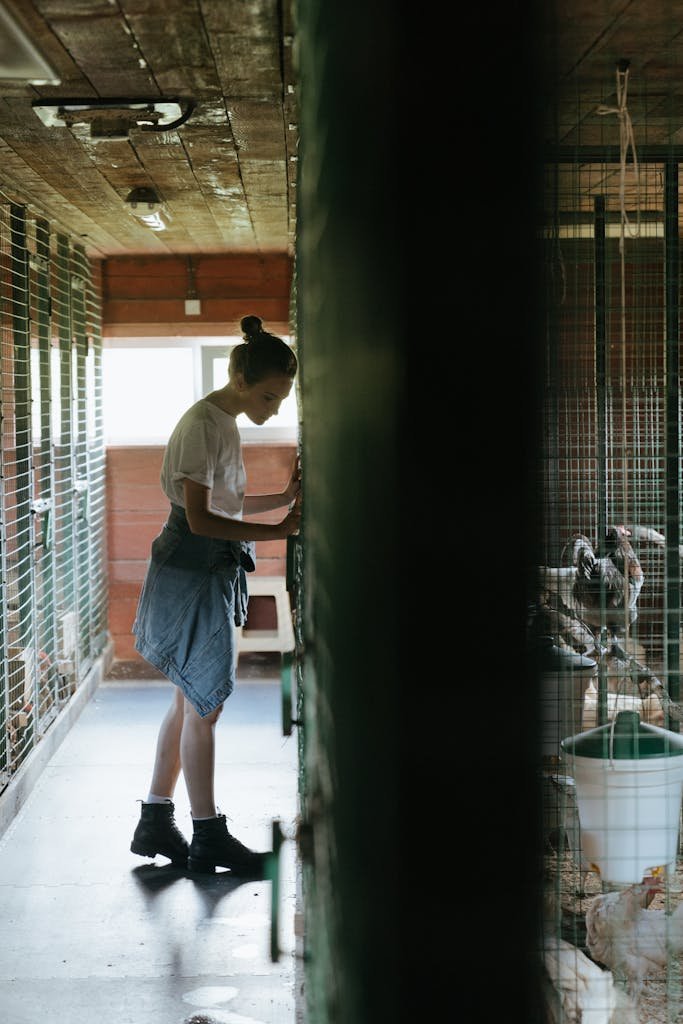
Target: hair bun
{"points": [[251, 325]]}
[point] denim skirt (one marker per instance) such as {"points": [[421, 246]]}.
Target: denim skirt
{"points": [[193, 596]]}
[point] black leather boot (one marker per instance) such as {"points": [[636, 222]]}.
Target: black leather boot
{"points": [[157, 832], [213, 847]]}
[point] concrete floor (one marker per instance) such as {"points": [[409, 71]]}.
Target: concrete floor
{"points": [[92, 933]]}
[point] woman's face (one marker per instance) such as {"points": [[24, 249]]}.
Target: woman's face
{"points": [[262, 400]]}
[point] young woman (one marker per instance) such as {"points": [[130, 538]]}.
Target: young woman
{"points": [[195, 593]]}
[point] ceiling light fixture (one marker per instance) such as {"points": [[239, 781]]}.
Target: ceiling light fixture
{"points": [[20, 60], [114, 117], [145, 205]]}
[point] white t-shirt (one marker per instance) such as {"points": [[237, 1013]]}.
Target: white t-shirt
{"points": [[205, 446]]}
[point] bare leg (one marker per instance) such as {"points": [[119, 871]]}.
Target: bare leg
{"points": [[197, 756], [167, 759]]}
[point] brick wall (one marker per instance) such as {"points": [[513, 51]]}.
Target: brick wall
{"points": [[136, 512]]}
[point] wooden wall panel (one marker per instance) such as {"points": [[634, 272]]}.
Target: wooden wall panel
{"points": [[146, 296]]}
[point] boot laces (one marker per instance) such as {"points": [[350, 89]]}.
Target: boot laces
{"points": [[235, 844], [173, 825]]}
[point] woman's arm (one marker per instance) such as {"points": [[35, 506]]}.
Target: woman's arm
{"points": [[255, 503], [206, 523]]}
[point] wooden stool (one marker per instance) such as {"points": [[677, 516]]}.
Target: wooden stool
{"points": [[280, 639]]}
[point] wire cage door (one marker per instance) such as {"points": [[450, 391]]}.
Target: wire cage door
{"points": [[53, 598], [605, 615]]}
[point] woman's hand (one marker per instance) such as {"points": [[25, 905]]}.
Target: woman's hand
{"points": [[292, 521], [293, 488]]}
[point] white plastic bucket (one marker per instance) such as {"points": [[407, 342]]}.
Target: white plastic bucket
{"points": [[629, 808]]}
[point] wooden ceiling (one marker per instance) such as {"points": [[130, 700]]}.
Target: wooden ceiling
{"points": [[582, 46], [226, 177], [583, 42]]}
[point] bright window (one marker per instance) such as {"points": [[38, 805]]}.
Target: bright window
{"points": [[144, 393], [147, 384]]}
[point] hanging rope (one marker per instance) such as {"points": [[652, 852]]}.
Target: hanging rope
{"points": [[626, 142]]}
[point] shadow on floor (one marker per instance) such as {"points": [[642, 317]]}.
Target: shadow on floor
{"points": [[95, 933]]}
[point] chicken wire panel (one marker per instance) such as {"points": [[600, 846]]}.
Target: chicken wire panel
{"points": [[96, 461], [606, 596], [603, 473], [79, 449], [18, 595], [65, 494], [621, 488], [53, 565], [48, 689]]}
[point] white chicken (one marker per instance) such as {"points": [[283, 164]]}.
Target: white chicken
{"points": [[631, 941], [574, 989], [577, 991]]}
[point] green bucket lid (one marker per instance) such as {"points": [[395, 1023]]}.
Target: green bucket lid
{"points": [[628, 740]]}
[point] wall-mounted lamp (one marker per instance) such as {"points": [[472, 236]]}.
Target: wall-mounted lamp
{"points": [[146, 207], [193, 305], [113, 118]]}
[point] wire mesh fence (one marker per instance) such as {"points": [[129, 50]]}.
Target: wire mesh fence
{"points": [[53, 595], [604, 619]]}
